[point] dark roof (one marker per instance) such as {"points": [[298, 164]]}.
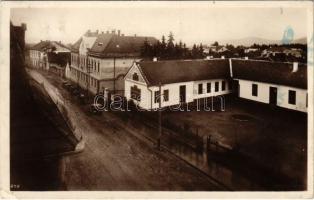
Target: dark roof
{"points": [[75, 47], [176, 71], [41, 45], [108, 45], [270, 72], [47, 44]]}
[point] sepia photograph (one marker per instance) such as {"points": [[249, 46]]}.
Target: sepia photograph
{"points": [[158, 96]]}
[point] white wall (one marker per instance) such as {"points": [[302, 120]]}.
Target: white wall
{"points": [[212, 93], [174, 94], [145, 101], [282, 94]]}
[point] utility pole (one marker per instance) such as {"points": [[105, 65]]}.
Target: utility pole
{"points": [[159, 120], [89, 71], [114, 75]]}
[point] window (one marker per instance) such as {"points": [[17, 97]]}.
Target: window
{"points": [[223, 85], [166, 95], [135, 77], [291, 99], [157, 97], [200, 88], [209, 85], [216, 86], [254, 90], [135, 93]]}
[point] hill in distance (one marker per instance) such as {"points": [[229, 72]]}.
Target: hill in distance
{"points": [[248, 41]]}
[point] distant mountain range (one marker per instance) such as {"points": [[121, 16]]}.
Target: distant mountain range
{"points": [[248, 41]]}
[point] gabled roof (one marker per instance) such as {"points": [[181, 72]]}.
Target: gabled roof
{"points": [[41, 45], [46, 45], [108, 45], [76, 46], [270, 72], [176, 71]]}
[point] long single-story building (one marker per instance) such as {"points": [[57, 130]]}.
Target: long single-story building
{"points": [[276, 83], [279, 84], [180, 81]]}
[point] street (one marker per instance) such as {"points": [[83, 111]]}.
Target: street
{"points": [[114, 159]]}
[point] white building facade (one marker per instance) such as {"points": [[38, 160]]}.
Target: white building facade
{"points": [[278, 95], [146, 95], [279, 84]]}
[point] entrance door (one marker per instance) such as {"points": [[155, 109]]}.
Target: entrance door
{"points": [[182, 94], [273, 95], [235, 87]]}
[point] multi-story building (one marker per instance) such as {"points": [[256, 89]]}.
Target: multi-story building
{"points": [[100, 61], [50, 55]]}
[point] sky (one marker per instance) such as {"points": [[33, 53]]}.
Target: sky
{"points": [[189, 24]]}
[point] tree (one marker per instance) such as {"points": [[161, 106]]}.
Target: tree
{"points": [[215, 44], [200, 51], [194, 51], [146, 50], [170, 51]]}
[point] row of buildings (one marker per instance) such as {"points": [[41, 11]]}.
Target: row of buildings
{"points": [[112, 61], [184, 81]]}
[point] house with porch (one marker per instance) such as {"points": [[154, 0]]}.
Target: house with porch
{"points": [[100, 61], [175, 82]]}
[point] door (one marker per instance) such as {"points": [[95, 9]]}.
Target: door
{"points": [[182, 94], [273, 95], [234, 86]]}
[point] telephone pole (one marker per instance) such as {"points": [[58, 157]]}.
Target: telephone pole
{"points": [[159, 120]]}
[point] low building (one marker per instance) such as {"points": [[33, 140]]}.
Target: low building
{"points": [[276, 83], [179, 81], [50, 55], [99, 61]]}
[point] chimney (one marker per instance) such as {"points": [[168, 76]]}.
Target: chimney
{"points": [[24, 26], [119, 32], [222, 57], [155, 59], [122, 34], [107, 32], [295, 67], [134, 35], [113, 32], [102, 32], [246, 58], [96, 31]]}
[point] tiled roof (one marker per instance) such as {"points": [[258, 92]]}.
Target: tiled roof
{"points": [[44, 45], [75, 47], [41, 45], [109, 45], [270, 72], [176, 71]]}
